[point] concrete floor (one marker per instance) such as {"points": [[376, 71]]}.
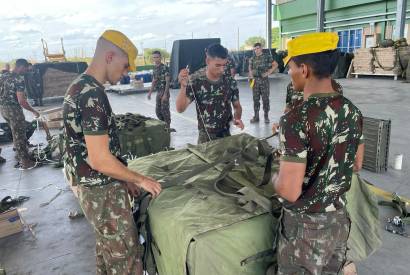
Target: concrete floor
{"points": [[64, 246]]}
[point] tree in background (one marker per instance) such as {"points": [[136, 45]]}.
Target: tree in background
{"points": [[148, 53], [251, 41], [275, 38]]}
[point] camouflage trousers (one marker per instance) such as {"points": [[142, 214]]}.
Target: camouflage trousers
{"points": [[108, 209], [203, 136], [162, 109], [14, 117], [261, 89], [312, 243]]}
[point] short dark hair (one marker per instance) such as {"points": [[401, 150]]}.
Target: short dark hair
{"points": [[322, 64], [21, 62], [156, 52], [217, 51], [257, 44]]}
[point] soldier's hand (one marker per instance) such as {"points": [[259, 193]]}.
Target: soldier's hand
{"points": [[275, 128], [150, 185], [133, 189], [164, 98], [36, 114], [238, 123], [183, 77], [149, 96]]}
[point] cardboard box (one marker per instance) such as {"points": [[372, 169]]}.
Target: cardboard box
{"points": [[55, 124], [10, 223]]}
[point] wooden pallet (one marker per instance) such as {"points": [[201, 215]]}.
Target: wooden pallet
{"points": [[395, 76]]}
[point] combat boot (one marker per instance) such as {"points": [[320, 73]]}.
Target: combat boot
{"points": [[255, 119], [267, 118]]}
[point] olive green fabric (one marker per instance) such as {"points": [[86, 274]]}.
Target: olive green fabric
{"points": [[365, 234], [140, 136], [199, 229]]}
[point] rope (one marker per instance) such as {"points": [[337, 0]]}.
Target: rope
{"points": [[197, 105]]}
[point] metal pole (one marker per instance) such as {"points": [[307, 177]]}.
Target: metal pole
{"points": [[269, 24], [320, 10], [238, 39], [400, 18]]}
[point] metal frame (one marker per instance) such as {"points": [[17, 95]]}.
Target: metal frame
{"points": [[400, 18]]}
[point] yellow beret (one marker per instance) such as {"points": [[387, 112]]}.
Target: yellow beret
{"points": [[311, 43], [124, 43]]}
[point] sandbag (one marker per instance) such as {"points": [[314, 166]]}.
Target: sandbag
{"points": [[201, 224]]}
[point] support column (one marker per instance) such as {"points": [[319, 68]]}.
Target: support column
{"points": [[320, 10], [400, 19], [269, 24]]}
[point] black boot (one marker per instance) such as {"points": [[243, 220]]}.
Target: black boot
{"points": [[267, 118], [255, 119]]}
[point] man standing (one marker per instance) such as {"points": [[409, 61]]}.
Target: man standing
{"points": [[213, 93], [94, 162], [160, 84], [319, 139], [260, 67], [12, 102], [6, 68]]}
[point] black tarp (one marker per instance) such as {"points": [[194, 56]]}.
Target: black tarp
{"points": [[40, 69], [343, 64], [189, 52]]}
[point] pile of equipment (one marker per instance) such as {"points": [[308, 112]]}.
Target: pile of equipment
{"points": [[218, 213]]}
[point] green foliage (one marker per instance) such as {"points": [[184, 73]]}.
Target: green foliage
{"points": [[251, 41]]}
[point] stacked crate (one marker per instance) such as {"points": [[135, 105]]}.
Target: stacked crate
{"points": [[386, 61], [363, 62], [377, 139]]}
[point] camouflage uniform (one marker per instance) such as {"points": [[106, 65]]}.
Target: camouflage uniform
{"points": [[260, 65], [324, 132], [103, 199], [294, 98], [213, 104], [162, 107], [229, 66], [10, 109]]}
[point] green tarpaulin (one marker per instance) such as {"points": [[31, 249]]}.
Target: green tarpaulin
{"points": [[199, 227]]}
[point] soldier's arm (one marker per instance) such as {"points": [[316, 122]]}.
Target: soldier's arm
{"points": [[250, 73], [21, 97], [167, 83], [358, 162], [101, 160], [183, 100], [292, 168], [288, 184]]}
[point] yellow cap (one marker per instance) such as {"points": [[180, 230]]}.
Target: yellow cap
{"points": [[124, 43], [311, 43]]}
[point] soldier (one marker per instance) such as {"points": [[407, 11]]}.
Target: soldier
{"points": [[93, 160], [260, 67], [230, 68], [160, 84], [213, 93], [6, 68], [319, 139], [12, 100]]}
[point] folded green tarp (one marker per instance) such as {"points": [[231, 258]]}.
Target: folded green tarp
{"points": [[141, 136], [199, 227]]}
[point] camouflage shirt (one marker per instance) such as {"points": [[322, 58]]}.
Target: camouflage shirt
{"points": [[294, 98], [260, 64], [213, 100], [160, 73], [87, 111], [323, 132], [10, 84], [229, 66]]}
